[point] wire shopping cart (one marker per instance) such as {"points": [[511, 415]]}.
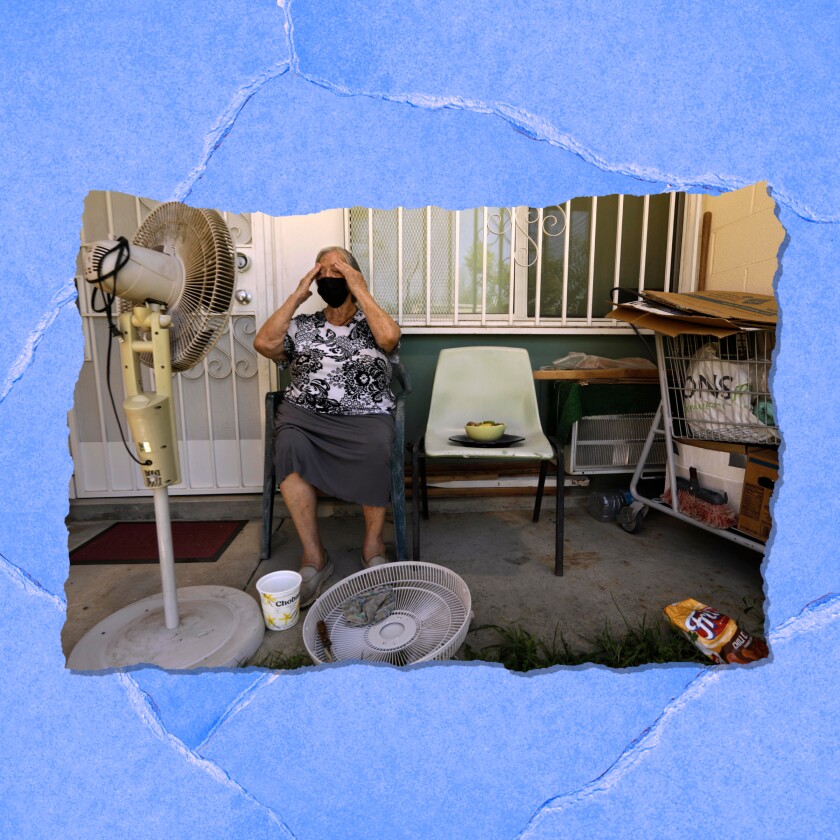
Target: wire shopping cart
{"points": [[713, 389]]}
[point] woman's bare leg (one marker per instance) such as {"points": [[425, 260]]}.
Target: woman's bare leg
{"points": [[374, 528], [302, 502]]}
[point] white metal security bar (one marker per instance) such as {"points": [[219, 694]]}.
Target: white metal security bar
{"points": [[517, 269]]}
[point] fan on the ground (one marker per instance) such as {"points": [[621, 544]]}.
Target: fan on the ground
{"points": [[430, 618], [175, 286]]}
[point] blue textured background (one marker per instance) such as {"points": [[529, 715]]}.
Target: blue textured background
{"points": [[252, 106]]}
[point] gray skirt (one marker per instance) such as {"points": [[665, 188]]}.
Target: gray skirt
{"points": [[347, 457]]}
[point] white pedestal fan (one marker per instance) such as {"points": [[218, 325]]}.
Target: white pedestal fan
{"points": [[175, 284]]}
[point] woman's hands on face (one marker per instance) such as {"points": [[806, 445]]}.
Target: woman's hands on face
{"points": [[385, 329], [304, 292], [356, 283]]}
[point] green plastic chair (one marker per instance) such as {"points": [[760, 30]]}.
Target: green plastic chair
{"points": [[272, 401], [486, 383]]}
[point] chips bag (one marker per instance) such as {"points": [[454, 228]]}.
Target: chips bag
{"points": [[714, 633]]}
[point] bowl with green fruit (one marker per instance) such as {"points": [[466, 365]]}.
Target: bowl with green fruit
{"points": [[485, 431]]}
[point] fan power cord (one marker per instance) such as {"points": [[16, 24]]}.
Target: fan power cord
{"points": [[123, 252], [123, 255]]}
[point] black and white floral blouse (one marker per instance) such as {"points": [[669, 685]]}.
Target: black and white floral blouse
{"points": [[337, 370]]}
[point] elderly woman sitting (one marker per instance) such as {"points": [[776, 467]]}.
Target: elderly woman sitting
{"points": [[334, 428]]}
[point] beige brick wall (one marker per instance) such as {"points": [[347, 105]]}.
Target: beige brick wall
{"points": [[744, 242]]}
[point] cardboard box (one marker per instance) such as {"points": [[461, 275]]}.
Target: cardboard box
{"points": [[760, 479], [719, 314]]}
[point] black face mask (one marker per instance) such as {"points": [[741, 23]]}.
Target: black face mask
{"points": [[333, 290]]}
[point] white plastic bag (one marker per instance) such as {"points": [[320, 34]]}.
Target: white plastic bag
{"points": [[717, 400], [585, 361]]}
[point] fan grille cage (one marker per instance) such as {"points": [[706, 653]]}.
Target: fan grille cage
{"points": [[202, 242], [430, 619]]}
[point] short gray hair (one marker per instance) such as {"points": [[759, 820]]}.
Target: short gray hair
{"points": [[348, 257]]}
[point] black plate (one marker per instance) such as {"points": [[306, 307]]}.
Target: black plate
{"points": [[504, 440]]}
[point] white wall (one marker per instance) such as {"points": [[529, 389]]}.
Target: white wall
{"points": [[297, 240]]}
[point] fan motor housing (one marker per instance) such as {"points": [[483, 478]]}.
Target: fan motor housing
{"points": [[147, 274], [150, 420]]}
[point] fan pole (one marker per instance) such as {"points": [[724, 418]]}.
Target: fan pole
{"points": [[163, 525], [151, 417], [178, 279]]}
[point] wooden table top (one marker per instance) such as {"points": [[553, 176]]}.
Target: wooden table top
{"points": [[612, 375]]}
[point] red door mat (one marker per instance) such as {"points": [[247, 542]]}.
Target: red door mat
{"points": [[136, 542]]}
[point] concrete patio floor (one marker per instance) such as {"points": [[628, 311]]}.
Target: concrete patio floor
{"points": [[505, 559]]}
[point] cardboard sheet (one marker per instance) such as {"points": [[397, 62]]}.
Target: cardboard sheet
{"points": [[718, 314], [662, 321], [736, 307]]}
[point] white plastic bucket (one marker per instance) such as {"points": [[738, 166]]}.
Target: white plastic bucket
{"points": [[280, 599]]}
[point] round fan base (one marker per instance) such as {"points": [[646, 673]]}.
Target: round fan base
{"points": [[219, 627]]}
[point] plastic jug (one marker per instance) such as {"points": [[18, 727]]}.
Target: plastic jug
{"points": [[604, 505]]}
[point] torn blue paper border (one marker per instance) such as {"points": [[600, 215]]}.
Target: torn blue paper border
{"points": [[307, 105]]}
